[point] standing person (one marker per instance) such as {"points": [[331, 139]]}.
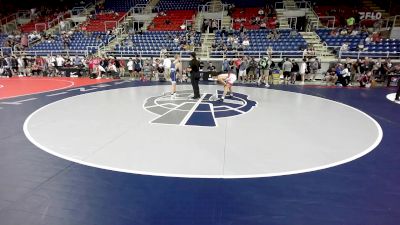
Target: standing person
{"points": [[225, 65], [59, 63], [263, 66], [243, 70], [137, 66], [193, 69], [287, 69], [178, 68], [252, 70], [302, 71], [314, 68], [294, 72], [173, 80], [167, 67], [121, 67], [130, 67]]}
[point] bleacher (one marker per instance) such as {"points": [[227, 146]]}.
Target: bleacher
{"points": [[248, 14], [290, 45], [79, 44], [123, 6], [102, 22], [165, 5], [387, 47], [150, 43], [42, 23], [176, 18]]}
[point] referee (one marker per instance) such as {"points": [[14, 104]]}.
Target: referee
{"points": [[193, 69]]}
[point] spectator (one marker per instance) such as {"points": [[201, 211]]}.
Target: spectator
{"points": [[261, 12], [243, 69], [303, 69], [287, 69], [246, 42], [330, 76], [130, 68]]}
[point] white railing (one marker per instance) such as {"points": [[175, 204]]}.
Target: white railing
{"points": [[40, 25], [315, 25], [110, 22], [58, 19], [280, 5], [258, 54], [7, 19], [361, 54], [51, 52], [150, 53], [210, 7]]}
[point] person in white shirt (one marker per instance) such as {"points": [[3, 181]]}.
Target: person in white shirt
{"points": [[246, 42], [112, 69], [261, 12], [59, 62], [346, 75], [344, 47], [130, 67], [302, 71], [368, 39], [167, 67], [21, 66]]}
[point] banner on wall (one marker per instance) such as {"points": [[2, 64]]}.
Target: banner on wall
{"points": [[370, 15]]}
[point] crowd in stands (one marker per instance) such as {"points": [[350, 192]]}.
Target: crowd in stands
{"points": [[253, 18], [364, 71]]}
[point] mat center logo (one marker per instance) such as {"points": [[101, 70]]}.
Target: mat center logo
{"points": [[184, 111]]}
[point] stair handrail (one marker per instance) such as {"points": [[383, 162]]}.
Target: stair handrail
{"points": [[7, 19]]}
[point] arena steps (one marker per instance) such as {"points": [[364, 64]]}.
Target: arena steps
{"points": [[321, 50]]}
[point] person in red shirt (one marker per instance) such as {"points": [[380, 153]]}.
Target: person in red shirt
{"points": [[237, 62]]}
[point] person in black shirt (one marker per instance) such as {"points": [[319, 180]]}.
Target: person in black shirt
{"points": [[193, 69]]}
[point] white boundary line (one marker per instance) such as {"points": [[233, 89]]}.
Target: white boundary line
{"points": [[15, 96], [222, 176], [391, 98]]}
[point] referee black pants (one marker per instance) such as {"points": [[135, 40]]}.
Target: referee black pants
{"points": [[194, 78], [398, 90]]}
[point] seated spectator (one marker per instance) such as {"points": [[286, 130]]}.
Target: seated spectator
{"points": [[330, 76], [344, 47], [246, 43], [376, 37], [368, 39], [343, 32], [354, 32], [261, 12], [360, 46], [365, 79], [263, 25], [334, 32]]}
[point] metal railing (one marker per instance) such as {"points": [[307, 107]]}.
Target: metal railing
{"points": [[362, 54], [52, 52], [258, 54], [144, 54], [7, 19], [280, 5], [40, 24], [210, 7]]}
